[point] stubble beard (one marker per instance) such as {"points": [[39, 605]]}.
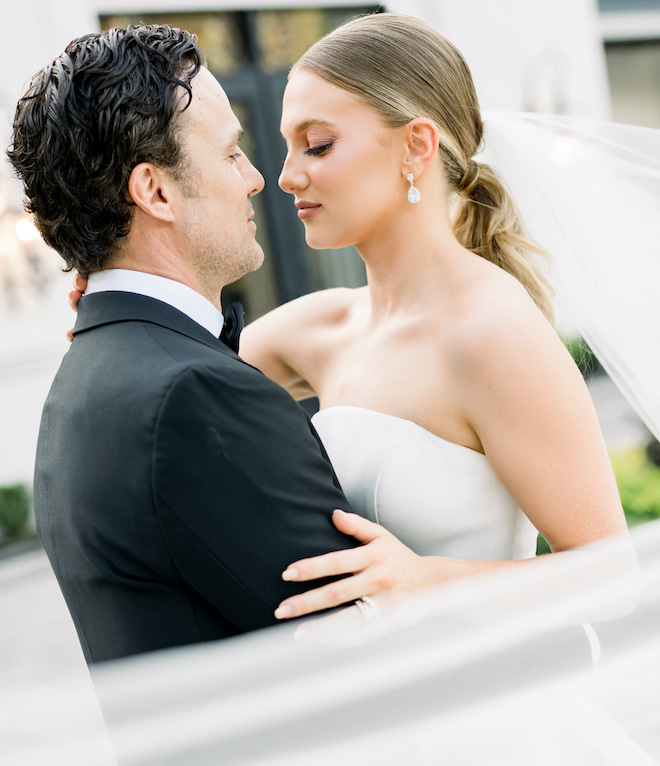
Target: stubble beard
{"points": [[218, 266], [215, 263]]}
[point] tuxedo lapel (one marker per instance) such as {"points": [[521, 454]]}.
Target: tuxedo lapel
{"points": [[106, 308]]}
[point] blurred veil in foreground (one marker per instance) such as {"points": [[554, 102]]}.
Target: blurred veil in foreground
{"points": [[487, 670]]}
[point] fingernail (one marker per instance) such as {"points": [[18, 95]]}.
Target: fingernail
{"points": [[283, 612], [338, 510], [290, 574]]}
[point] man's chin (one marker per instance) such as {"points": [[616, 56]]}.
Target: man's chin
{"points": [[259, 258], [253, 261]]}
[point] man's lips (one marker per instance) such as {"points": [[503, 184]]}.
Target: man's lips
{"points": [[306, 208]]}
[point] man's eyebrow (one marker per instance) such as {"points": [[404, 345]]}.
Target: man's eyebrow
{"points": [[302, 126], [238, 136]]}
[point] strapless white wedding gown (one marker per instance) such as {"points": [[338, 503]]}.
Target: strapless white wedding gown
{"points": [[437, 497]]}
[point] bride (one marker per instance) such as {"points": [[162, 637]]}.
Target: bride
{"points": [[451, 411]]}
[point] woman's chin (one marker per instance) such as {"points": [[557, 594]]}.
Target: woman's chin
{"points": [[316, 242]]}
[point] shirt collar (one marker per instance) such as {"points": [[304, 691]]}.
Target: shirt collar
{"points": [[176, 294]]}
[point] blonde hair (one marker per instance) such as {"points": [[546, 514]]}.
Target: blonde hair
{"points": [[406, 69]]}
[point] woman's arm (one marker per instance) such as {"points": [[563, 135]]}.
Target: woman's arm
{"points": [[529, 406], [267, 344], [289, 344]]}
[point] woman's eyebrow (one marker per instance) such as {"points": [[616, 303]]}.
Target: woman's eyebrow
{"points": [[302, 126]]}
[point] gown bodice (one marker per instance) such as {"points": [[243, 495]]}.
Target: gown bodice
{"points": [[437, 497]]}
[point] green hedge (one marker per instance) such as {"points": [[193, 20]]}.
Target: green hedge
{"points": [[638, 480], [15, 512], [583, 356]]}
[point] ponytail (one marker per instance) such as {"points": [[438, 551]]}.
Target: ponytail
{"points": [[486, 222]]}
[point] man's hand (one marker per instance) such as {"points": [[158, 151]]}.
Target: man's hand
{"points": [[382, 568], [79, 287]]}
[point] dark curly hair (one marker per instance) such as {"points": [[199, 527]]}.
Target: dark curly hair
{"points": [[111, 101]]}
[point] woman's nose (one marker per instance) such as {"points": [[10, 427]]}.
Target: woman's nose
{"points": [[292, 177]]}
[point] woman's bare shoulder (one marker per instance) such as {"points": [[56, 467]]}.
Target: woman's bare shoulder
{"points": [[324, 306], [287, 343], [317, 308], [496, 320]]}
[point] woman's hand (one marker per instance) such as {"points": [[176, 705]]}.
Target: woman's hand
{"points": [[79, 287], [382, 567]]}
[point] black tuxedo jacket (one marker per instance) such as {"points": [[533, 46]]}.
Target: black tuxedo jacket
{"points": [[174, 482]]}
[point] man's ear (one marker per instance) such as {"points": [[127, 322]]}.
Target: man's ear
{"points": [[422, 140], [151, 188]]}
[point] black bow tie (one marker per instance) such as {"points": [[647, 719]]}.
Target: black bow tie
{"points": [[231, 329]]}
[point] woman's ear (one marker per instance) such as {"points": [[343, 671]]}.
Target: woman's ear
{"points": [[422, 140], [151, 188]]}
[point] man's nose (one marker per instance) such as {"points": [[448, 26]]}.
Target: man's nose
{"points": [[253, 179]]}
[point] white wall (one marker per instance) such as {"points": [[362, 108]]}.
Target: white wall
{"points": [[543, 55], [32, 327], [32, 344], [38, 30]]}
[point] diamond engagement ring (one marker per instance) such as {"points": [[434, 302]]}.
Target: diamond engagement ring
{"points": [[367, 606]]}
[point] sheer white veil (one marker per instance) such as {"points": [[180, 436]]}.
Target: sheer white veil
{"points": [[589, 193], [475, 673], [488, 671]]}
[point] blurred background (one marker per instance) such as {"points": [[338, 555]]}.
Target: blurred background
{"points": [[577, 57]]}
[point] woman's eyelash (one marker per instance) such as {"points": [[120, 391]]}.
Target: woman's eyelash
{"points": [[317, 151]]}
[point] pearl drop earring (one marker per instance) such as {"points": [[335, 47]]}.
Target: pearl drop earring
{"points": [[413, 193]]}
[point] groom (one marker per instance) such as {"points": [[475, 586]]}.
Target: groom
{"points": [[174, 483]]}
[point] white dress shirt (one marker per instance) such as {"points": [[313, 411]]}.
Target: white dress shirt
{"points": [[176, 294]]}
